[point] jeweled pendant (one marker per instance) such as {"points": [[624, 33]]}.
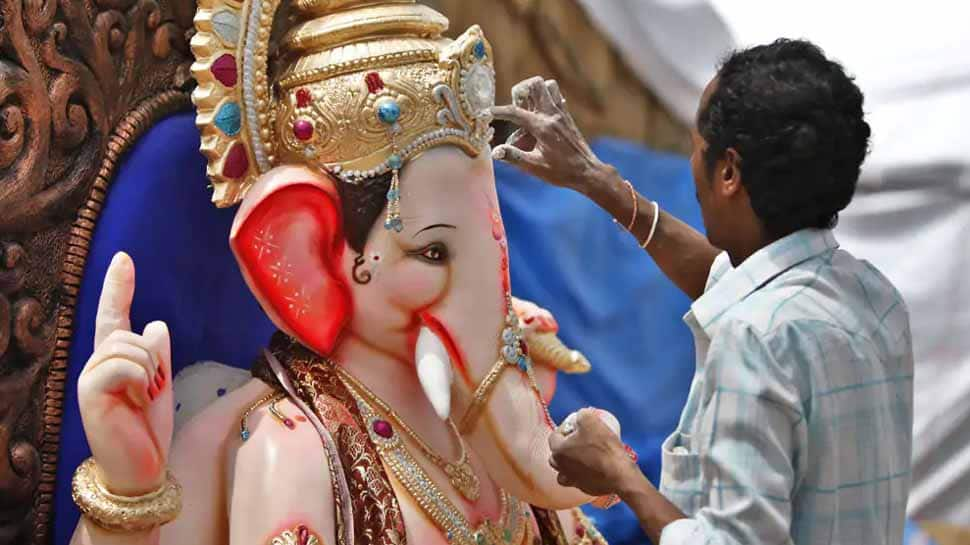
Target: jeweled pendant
{"points": [[463, 478]]}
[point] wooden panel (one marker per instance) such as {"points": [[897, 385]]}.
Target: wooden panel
{"points": [[79, 81]]}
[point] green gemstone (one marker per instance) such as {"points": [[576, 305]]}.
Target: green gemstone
{"points": [[480, 538], [508, 535]]}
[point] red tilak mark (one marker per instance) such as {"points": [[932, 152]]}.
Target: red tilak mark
{"points": [[289, 423], [456, 357], [374, 82], [529, 319]]}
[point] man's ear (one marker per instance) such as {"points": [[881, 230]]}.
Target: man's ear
{"points": [[288, 240], [728, 176]]}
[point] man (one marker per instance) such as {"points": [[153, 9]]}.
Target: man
{"points": [[797, 428]]}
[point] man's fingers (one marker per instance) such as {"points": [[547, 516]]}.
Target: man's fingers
{"points": [[518, 116], [522, 140], [117, 292], [541, 98], [556, 440], [528, 160], [522, 95], [553, 87]]}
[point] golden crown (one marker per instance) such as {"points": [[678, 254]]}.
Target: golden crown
{"points": [[364, 86]]}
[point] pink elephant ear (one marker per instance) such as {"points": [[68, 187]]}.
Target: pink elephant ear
{"points": [[288, 239]]}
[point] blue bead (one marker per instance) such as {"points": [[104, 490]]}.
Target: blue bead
{"points": [[221, 392], [523, 363], [395, 225], [229, 118], [392, 195], [244, 434], [389, 112], [394, 161], [480, 49]]}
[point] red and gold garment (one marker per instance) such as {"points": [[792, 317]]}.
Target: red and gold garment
{"points": [[374, 511]]}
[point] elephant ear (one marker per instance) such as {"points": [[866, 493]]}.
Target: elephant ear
{"points": [[288, 239]]}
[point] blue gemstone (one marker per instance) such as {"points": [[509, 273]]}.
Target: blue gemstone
{"points": [[523, 363], [480, 49], [392, 195], [389, 112], [178, 407], [244, 434], [394, 161], [397, 225], [229, 118], [221, 392]]}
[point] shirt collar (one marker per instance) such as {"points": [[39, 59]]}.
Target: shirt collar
{"points": [[727, 288]]}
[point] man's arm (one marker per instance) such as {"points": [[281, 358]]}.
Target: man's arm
{"points": [[681, 252], [739, 460], [550, 146]]}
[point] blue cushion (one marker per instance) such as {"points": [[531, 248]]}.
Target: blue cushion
{"points": [[158, 211], [608, 296]]}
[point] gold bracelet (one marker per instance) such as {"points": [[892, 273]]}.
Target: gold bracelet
{"points": [[636, 206], [118, 513]]}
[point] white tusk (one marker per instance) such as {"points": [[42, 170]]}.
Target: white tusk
{"points": [[434, 371]]}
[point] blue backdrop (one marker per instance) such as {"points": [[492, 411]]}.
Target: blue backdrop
{"points": [[567, 255]]}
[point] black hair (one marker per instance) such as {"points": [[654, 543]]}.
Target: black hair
{"points": [[795, 119], [361, 205]]}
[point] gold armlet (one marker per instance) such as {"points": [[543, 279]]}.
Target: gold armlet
{"points": [[300, 535], [124, 513]]}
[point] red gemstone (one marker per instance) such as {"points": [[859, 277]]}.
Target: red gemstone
{"points": [[302, 535], [289, 423], [303, 129], [237, 162], [302, 98], [523, 347], [580, 531], [224, 69], [383, 428], [374, 82]]}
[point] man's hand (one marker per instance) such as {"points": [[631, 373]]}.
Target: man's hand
{"points": [[548, 143], [591, 457]]}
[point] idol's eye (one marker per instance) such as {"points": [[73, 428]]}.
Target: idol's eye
{"points": [[435, 253]]}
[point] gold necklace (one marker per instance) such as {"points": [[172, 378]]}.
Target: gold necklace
{"points": [[460, 473], [513, 526]]}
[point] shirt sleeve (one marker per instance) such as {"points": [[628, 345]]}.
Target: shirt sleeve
{"points": [[749, 433]]}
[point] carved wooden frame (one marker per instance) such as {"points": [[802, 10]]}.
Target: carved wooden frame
{"points": [[80, 82]]}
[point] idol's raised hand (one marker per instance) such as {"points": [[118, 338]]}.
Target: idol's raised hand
{"points": [[548, 143], [125, 391]]}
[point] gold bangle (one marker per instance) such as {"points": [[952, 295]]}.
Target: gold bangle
{"points": [[117, 513]]}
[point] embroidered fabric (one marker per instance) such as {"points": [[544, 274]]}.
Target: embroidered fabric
{"points": [[376, 514]]}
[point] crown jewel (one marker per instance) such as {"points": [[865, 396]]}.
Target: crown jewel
{"points": [[364, 87]]}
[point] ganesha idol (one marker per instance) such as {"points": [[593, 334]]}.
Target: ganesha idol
{"points": [[401, 401]]}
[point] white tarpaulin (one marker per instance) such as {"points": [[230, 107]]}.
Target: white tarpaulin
{"points": [[911, 217]]}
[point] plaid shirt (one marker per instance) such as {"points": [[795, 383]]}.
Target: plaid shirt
{"points": [[797, 429]]}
